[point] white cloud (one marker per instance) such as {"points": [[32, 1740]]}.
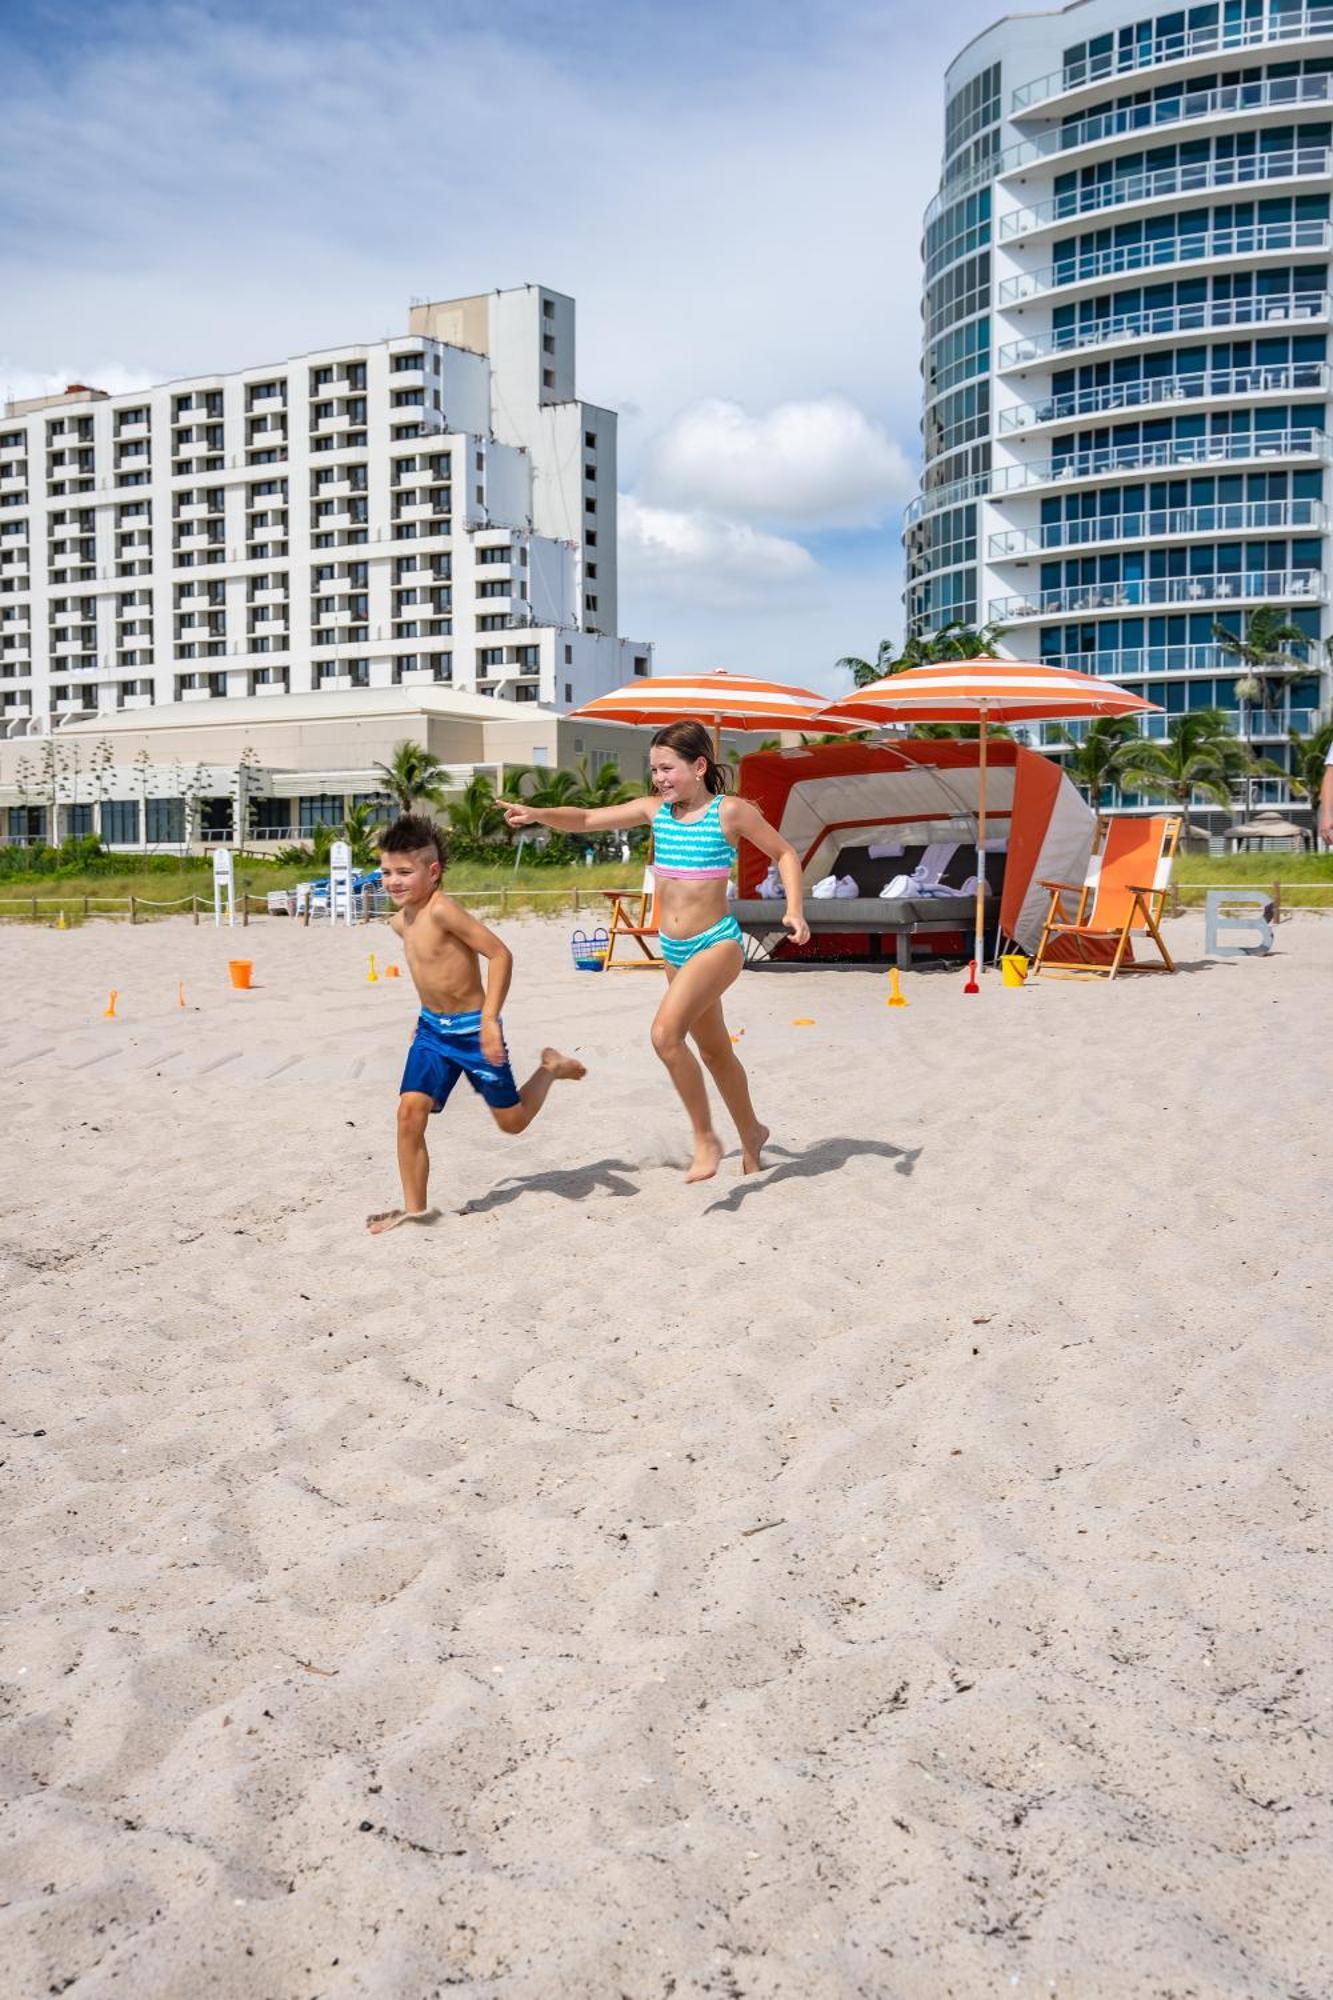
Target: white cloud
{"points": [[717, 562], [20, 383], [820, 463]]}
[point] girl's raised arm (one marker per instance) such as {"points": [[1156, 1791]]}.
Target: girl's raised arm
{"points": [[581, 819]]}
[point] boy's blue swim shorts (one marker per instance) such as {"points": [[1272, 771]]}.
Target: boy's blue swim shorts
{"points": [[447, 1046]]}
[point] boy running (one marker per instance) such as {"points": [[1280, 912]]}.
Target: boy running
{"points": [[459, 1032]]}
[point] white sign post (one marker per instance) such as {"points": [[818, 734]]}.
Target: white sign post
{"points": [[224, 887], [340, 883]]}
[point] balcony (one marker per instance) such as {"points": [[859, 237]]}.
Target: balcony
{"points": [[14, 482], [1255, 239], [1186, 45], [262, 688], [1288, 378], [275, 596], [1108, 461], [1168, 523], [1168, 183], [1084, 600], [131, 428], [1167, 322], [135, 701]]}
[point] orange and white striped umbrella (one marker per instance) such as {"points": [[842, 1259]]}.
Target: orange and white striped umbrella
{"points": [[983, 691], [722, 700]]}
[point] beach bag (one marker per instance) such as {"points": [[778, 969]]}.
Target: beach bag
{"points": [[589, 953]]}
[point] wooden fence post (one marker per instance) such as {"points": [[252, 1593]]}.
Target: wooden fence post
{"points": [[133, 907], [85, 906], [194, 909], [245, 906], [1277, 902], [34, 909]]}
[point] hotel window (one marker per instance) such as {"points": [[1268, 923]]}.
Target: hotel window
{"points": [[166, 820], [120, 821]]}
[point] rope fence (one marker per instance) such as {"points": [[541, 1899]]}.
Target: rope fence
{"points": [[139, 909], [143, 909]]}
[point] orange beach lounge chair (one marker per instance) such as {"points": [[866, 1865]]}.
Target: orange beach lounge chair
{"points": [[1121, 897], [632, 916]]}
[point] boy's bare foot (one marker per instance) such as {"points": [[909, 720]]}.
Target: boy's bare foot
{"points": [[392, 1217], [566, 1069], [751, 1150], [707, 1159]]}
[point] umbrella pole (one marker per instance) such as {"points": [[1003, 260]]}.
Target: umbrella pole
{"points": [[980, 920]]}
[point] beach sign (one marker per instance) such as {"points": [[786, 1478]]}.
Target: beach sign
{"points": [[340, 883], [224, 887]]}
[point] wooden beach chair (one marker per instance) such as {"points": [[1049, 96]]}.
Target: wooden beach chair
{"points": [[1121, 898], [632, 916]]}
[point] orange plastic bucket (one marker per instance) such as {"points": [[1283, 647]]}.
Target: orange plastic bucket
{"points": [[240, 970]]}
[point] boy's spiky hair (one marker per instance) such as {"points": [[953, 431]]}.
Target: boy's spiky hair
{"points": [[410, 833]]}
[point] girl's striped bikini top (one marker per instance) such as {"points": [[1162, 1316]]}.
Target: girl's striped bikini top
{"points": [[692, 850]]}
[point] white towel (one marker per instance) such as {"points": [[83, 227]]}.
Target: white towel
{"points": [[885, 850], [846, 886], [771, 886], [825, 889]]}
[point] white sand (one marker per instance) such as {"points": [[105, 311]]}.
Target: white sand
{"points": [[900, 1576]]}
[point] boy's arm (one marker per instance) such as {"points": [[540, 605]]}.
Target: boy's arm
{"points": [[577, 819], [499, 969], [742, 821]]}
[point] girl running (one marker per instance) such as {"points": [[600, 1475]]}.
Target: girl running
{"points": [[695, 833]]}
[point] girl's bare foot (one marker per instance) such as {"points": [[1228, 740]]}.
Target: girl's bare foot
{"points": [[752, 1148], [707, 1158], [392, 1217], [567, 1069]]}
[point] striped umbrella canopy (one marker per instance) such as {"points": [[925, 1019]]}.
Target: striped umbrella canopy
{"points": [[722, 700], [983, 691]]}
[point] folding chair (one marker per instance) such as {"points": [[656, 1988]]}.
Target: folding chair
{"points": [[632, 916], [1121, 897]]}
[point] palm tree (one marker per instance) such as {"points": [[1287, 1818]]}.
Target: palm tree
{"points": [[1308, 756], [413, 774], [865, 672], [1262, 654], [359, 830], [1097, 758], [1200, 754], [551, 788], [958, 641], [605, 787], [475, 820]]}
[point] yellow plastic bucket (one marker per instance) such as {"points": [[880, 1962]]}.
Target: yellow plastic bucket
{"points": [[240, 970], [1013, 968]]}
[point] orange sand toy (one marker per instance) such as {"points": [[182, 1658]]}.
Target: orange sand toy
{"points": [[240, 970], [109, 1012], [803, 1022], [391, 972], [372, 976], [180, 993], [896, 997]]}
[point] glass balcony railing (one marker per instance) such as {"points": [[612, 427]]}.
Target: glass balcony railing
{"points": [[1192, 317], [1226, 101], [1287, 378], [1190, 177], [1255, 239], [1108, 460], [1255, 724], [1296, 24], [1136, 593], [1162, 524]]}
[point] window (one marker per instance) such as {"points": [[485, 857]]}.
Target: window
{"points": [[120, 822], [569, 685], [548, 378], [591, 603], [319, 809], [640, 663], [590, 440], [166, 820], [548, 309], [548, 343]]}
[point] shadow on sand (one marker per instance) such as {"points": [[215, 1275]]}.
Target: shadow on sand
{"points": [[571, 1183], [827, 1157]]}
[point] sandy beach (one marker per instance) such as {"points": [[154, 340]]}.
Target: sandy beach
{"points": [[902, 1575]]}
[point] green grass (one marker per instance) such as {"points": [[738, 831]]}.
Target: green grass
{"points": [[40, 898], [1307, 879]]}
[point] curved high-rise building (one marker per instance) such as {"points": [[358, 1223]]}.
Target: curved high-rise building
{"points": [[1126, 368]]}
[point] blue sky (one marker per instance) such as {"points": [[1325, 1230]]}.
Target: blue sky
{"points": [[731, 191]]}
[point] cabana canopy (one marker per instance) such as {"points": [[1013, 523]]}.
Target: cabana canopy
{"points": [[836, 795]]}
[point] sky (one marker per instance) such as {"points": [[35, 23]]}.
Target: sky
{"points": [[732, 192]]}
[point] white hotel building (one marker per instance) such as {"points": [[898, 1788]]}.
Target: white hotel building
{"points": [[436, 511], [1126, 365]]}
